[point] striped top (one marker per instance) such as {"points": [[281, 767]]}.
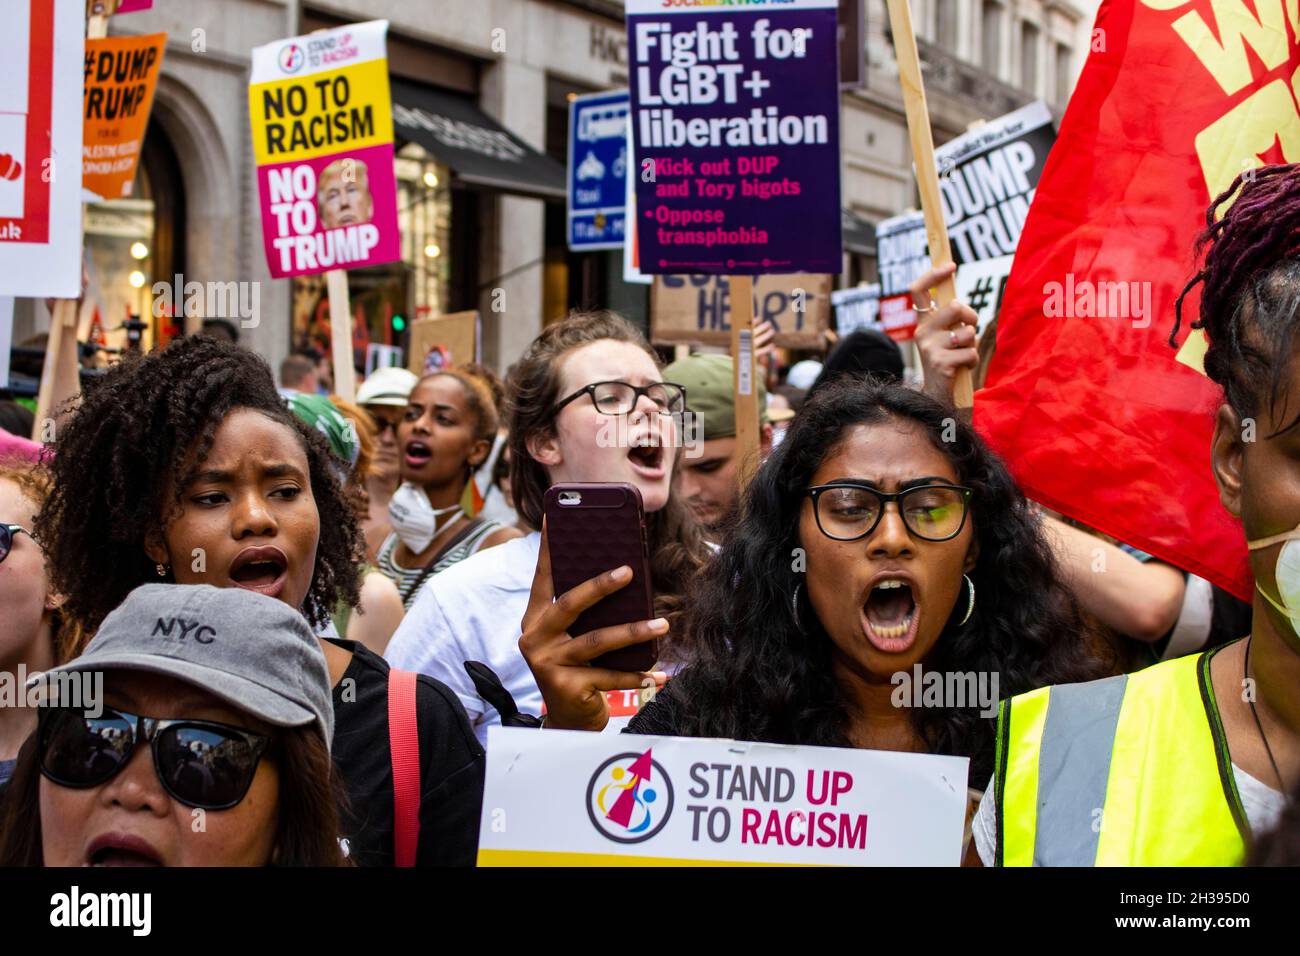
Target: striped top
{"points": [[406, 579]]}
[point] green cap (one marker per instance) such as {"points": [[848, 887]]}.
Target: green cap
{"points": [[319, 413], [707, 379]]}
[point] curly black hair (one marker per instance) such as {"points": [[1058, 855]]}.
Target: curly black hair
{"points": [[756, 674], [131, 438]]}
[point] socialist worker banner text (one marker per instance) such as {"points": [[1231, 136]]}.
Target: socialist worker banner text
{"points": [[323, 141], [735, 117]]}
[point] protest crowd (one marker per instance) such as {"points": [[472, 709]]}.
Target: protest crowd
{"points": [[310, 610]]}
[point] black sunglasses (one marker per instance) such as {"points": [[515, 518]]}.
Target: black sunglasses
{"points": [[200, 763], [847, 510], [619, 398], [7, 532]]}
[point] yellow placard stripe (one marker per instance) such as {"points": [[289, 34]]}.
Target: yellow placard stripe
{"points": [[321, 126], [552, 858]]}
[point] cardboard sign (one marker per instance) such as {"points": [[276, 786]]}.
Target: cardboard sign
{"points": [[121, 75], [41, 47], [457, 335], [736, 122], [568, 798], [697, 309], [323, 140], [598, 164]]}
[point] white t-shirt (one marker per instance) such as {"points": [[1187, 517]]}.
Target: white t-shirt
{"points": [[1263, 806], [473, 612]]}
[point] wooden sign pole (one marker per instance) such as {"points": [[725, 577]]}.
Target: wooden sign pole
{"points": [[61, 371], [345, 376], [744, 377], [927, 178]]}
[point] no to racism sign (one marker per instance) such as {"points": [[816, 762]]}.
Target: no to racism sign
{"points": [[735, 121], [568, 798], [323, 141], [121, 75]]}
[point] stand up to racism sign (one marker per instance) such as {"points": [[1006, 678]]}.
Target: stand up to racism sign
{"points": [[736, 129], [323, 139]]}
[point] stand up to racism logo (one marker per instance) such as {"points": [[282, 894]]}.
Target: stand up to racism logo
{"points": [[629, 797]]}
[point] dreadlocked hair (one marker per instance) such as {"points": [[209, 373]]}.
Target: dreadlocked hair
{"points": [[121, 466], [1250, 285]]}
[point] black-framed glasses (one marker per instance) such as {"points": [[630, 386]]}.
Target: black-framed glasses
{"points": [[200, 763], [7, 532], [619, 398], [847, 510]]}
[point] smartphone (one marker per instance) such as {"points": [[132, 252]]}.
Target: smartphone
{"points": [[591, 529]]}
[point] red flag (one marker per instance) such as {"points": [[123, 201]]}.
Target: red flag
{"points": [[1086, 400]]}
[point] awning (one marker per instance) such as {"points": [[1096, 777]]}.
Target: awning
{"points": [[859, 235], [479, 150]]}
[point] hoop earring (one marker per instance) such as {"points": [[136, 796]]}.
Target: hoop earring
{"points": [[794, 607], [970, 605]]}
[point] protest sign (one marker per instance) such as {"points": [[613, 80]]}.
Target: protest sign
{"points": [[567, 798], [132, 6], [857, 308], [453, 340], [1086, 400], [735, 115], [121, 75], [631, 251], [323, 142], [901, 257], [42, 48], [697, 309], [597, 175]]}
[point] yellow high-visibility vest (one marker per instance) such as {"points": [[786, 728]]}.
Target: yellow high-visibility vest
{"points": [[1131, 770]]}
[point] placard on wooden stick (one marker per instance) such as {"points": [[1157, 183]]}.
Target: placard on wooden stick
{"points": [[927, 178], [345, 375]]}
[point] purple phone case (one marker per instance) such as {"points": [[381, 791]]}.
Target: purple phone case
{"points": [[605, 530]]}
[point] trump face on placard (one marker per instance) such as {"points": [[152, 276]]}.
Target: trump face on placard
{"points": [[343, 194]]}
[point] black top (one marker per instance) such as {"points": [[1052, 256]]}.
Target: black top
{"points": [[451, 766]]}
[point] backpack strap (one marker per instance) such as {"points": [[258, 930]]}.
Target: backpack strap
{"points": [[404, 742]]}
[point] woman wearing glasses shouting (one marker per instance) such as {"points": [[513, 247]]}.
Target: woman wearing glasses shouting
{"points": [[173, 740], [586, 403], [882, 535]]}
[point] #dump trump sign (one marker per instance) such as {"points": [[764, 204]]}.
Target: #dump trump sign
{"points": [[323, 141]]}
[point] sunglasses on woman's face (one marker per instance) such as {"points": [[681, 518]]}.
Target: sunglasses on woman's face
{"points": [[7, 532], [200, 763]]}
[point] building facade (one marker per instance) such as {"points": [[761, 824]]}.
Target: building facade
{"points": [[506, 69]]}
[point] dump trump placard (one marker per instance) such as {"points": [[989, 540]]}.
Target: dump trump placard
{"points": [[121, 75], [323, 141], [569, 798]]}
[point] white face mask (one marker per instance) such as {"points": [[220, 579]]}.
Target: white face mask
{"points": [[414, 519], [1286, 573]]}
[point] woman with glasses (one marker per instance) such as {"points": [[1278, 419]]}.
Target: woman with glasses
{"points": [[586, 403], [181, 752], [29, 636], [445, 434], [881, 536]]}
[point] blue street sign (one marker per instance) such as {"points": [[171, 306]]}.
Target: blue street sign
{"points": [[597, 170]]}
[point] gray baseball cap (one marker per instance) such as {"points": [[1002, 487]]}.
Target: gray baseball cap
{"points": [[254, 652]]}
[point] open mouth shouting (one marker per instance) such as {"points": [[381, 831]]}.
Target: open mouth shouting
{"points": [[891, 613], [417, 454], [647, 461], [263, 570], [121, 849]]}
